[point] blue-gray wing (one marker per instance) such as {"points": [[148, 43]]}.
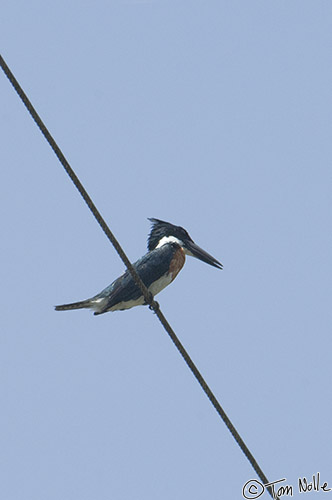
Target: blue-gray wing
{"points": [[150, 268]]}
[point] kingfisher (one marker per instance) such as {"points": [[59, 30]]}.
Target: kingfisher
{"points": [[167, 247]]}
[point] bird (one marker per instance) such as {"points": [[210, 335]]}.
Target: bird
{"points": [[167, 247]]}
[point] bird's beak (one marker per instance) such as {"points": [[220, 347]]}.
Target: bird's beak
{"points": [[190, 248]]}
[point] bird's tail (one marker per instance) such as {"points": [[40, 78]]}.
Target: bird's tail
{"points": [[83, 304]]}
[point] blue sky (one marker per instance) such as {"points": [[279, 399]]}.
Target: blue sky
{"points": [[211, 115]]}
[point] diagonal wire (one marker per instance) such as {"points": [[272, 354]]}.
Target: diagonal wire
{"points": [[75, 179], [147, 295]]}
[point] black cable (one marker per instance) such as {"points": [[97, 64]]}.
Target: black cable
{"points": [[147, 296]]}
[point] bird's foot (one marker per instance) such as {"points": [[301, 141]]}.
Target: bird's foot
{"points": [[153, 306]]}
